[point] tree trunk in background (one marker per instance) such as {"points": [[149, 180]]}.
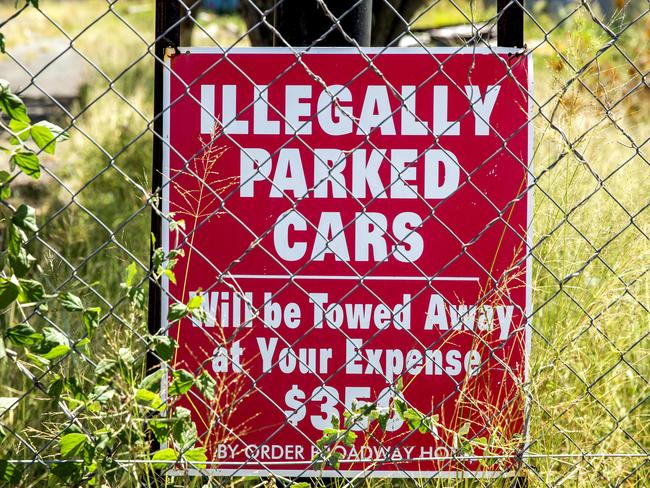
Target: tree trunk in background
{"points": [[261, 35], [187, 24], [386, 24]]}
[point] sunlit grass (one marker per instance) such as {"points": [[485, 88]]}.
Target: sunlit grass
{"points": [[445, 13]]}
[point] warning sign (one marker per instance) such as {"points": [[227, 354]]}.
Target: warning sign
{"points": [[356, 225]]}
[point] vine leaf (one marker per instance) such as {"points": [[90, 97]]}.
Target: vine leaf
{"points": [[160, 428], [206, 385], [5, 189], [9, 289], [70, 302], [187, 437], [46, 135], [54, 344], [164, 455], [31, 291], [9, 472], [28, 162], [20, 130], [183, 381], [164, 346], [21, 263], [72, 445], [91, 320], [149, 399], [25, 218], [16, 238], [152, 381], [11, 104], [23, 335], [176, 312], [196, 457]]}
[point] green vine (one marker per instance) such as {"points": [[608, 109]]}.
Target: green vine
{"points": [[111, 419]]}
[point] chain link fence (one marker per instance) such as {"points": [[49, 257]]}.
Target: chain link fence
{"points": [[145, 306]]}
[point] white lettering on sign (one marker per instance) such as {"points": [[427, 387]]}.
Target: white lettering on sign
{"points": [[367, 239], [353, 235], [434, 174], [300, 172], [338, 113]]}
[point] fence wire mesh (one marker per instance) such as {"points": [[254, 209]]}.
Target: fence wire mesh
{"points": [[81, 399]]}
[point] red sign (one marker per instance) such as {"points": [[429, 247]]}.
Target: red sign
{"points": [[356, 224]]}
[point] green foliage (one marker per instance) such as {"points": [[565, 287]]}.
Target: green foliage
{"points": [[182, 382], [9, 290], [164, 346], [196, 457], [46, 135], [25, 218], [134, 293], [12, 105], [27, 161], [116, 411], [54, 344], [10, 473], [167, 454], [152, 381], [149, 399], [43, 134], [91, 320], [23, 335], [72, 446], [206, 385], [332, 437], [416, 420], [31, 291], [193, 308], [70, 302], [87, 455], [364, 414]]}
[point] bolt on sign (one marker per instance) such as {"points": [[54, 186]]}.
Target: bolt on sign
{"points": [[357, 227]]}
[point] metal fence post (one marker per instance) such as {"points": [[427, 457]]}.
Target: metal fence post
{"points": [[303, 22], [510, 23], [510, 33], [167, 31]]}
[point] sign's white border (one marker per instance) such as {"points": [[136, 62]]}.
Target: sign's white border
{"points": [[375, 473]]}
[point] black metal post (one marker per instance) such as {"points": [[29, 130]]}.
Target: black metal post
{"points": [[168, 15], [510, 33], [302, 22], [510, 23]]}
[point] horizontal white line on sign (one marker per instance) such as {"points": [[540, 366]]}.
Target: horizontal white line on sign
{"points": [[355, 278]]}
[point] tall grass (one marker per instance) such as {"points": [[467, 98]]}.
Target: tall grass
{"points": [[93, 210], [589, 362]]}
